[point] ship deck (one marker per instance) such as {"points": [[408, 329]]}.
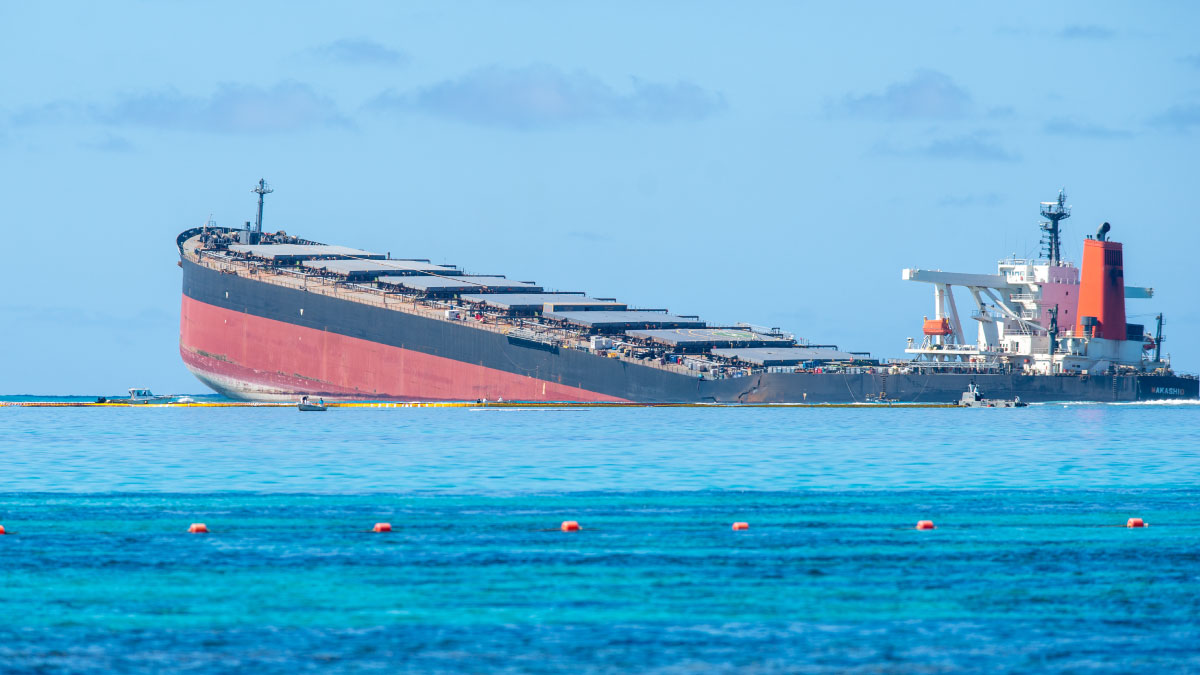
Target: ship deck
{"points": [[531, 328]]}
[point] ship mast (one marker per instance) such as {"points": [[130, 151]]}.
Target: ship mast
{"points": [[262, 189], [1053, 332], [1054, 212], [1158, 339]]}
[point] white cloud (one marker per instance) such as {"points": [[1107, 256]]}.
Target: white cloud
{"points": [[975, 147], [542, 96], [1180, 117], [232, 108], [359, 52], [1087, 32], [1064, 126], [927, 95]]}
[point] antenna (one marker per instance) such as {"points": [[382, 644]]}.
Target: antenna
{"points": [[1158, 338], [261, 190], [1054, 212], [1053, 332]]}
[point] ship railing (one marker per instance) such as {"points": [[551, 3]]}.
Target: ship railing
{"points": [[954, 366], [1022, 331], [533, 336], [1023, 297], [950, 349], [299, 274]]}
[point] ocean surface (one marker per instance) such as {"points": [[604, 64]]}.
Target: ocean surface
{"points": [[1030, 568]]}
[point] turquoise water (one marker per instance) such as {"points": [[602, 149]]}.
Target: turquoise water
{"points": [[1030, 567]]}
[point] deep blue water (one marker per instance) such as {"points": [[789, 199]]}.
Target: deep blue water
{"points": [[1030, 568]]}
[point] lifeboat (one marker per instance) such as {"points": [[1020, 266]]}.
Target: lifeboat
{"points": [[937, 327]]}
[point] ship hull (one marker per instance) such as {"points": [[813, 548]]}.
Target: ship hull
{"points": [[255, 340]]}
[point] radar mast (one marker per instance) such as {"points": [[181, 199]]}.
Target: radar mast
{"points": [[1054, 212], [261, 190]]}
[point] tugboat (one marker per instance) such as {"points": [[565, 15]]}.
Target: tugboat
{"points": [[971, 398]]}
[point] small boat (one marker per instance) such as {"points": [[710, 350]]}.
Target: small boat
{"points": [[972, 398], [305, 406], [137, 397]]}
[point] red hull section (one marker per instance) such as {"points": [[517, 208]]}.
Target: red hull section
{"points": [[253, 357]]}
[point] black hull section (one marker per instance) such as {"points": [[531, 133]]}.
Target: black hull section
{"points": [[945, 388], [633, 382]]}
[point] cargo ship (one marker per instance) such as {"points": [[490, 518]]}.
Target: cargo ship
{"points": [[274, 316]]}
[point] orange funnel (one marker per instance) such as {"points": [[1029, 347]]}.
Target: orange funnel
{"points": [[1102, 291]]}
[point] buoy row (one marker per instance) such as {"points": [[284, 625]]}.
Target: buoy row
{"points": [[573, 526]]}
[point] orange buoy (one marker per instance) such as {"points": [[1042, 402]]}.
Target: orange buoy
{"points": [[382, 527], [1135, 522], [925, 525], [2, 530], [198, 528], [741, 526], [570, 526]]}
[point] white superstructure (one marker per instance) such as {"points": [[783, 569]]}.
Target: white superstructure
{"points": [[1026, 316]]}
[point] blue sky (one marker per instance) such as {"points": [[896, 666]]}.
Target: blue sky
{"points": [[777, 163]]}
